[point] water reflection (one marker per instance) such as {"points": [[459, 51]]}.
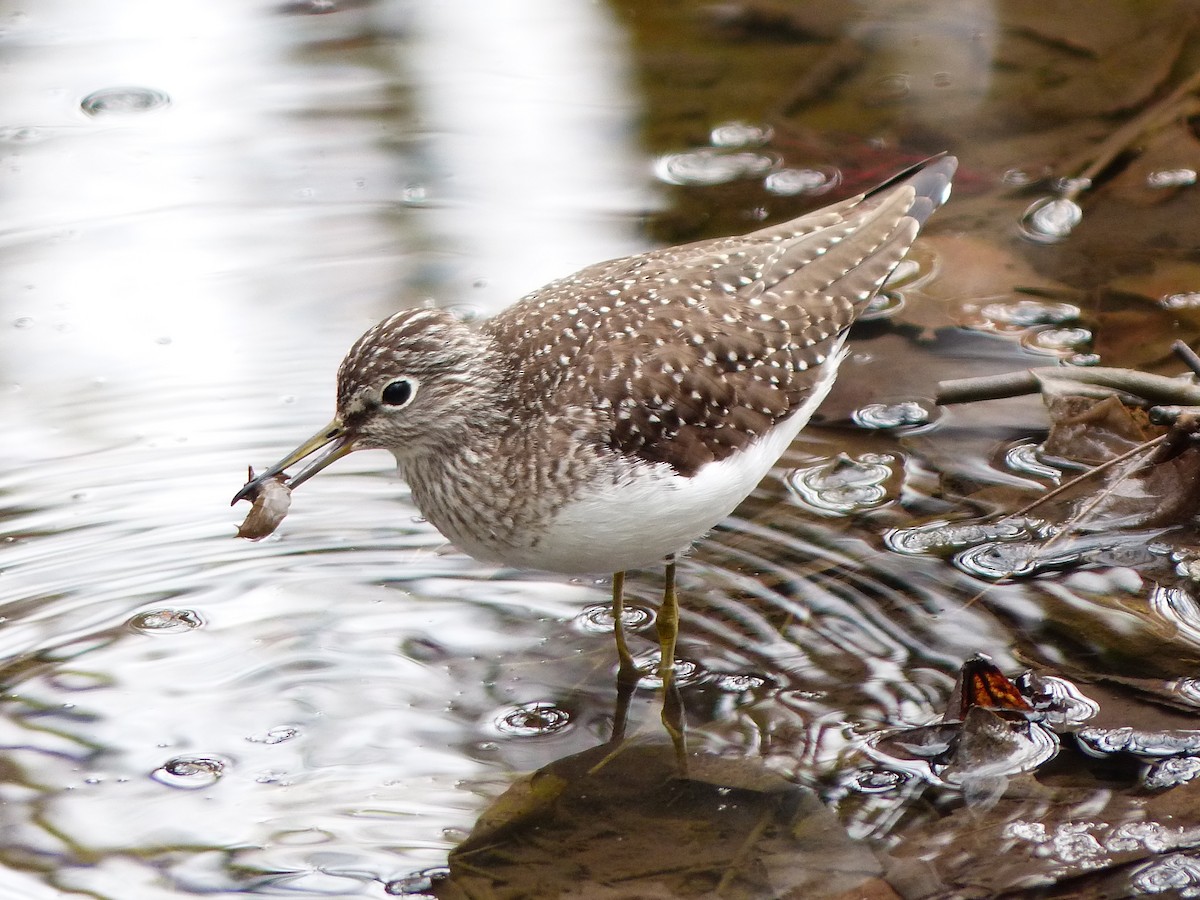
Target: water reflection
{"points": [[320, 714]]}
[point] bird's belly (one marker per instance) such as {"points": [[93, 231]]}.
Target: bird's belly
{"points": [[641, 520]]}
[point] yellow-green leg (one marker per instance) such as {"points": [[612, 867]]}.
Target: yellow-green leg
{"points": [[668, 631], [627, 671]]}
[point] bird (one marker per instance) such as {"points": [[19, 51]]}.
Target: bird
{"points": [[608, 420]]}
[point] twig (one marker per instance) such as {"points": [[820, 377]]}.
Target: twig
{"points": [[1188, 355], [1157, 389]]}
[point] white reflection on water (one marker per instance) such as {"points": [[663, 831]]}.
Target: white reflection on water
{"points": [[178, 280]]}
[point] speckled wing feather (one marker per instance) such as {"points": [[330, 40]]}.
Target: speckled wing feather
{"points": [[689, 353]]}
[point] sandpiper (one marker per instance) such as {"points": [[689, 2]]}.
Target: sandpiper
{"points": [[608, 420]]}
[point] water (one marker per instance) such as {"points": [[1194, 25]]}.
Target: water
{"points": [[206, 204]]}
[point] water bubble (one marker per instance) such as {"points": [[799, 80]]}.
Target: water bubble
{"points": [[891, 415], [1177, 873], [698, 168], [740, 683], [942, 537], [1050, 219], [276, 735], [1058, 702], [166, 621], [879, 780], [1023, 458], [1025, 313], [414, 195], [1171, 772], [740, 134], [883, 305], [598, 619], [843, 484], [1022, 177], [998, 561], [1057, 340], [1169, 178], [1185, 300], [23, 322], [19, 134], [794, 182], [1175, 742], [1082, 359], [123, 100], [535, 719], [418, 884], [686, 671], [190, 772]]}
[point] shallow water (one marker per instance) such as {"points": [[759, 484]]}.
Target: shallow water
{"points": [[205, 204]]}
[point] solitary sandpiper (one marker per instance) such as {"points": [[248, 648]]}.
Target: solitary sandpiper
{"points": [[609, 419]]}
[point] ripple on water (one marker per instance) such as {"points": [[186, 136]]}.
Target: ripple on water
{"points": [[1057, 341], [1049, 220], [123, 100], [843, 485], [191, 773], [945, 537], [891, 415], [418, 884], [703, 167], [598, 618], [1024, 458], [810, 182], [1016, 315], [740, 134], [535, 719], [166, 621]]}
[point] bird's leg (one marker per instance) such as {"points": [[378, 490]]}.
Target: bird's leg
{"points": [[627, 672], [668, 631]]}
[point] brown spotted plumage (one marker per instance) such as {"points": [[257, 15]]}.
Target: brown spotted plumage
{"points": [[612, 417]]}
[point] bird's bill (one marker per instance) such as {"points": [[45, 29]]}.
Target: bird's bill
{"points": [[334, 439]]}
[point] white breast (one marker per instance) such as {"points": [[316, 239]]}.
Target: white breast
{"points": [[638, 523]]}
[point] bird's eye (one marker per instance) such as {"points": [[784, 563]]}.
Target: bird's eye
{"points": [[399, 392]]}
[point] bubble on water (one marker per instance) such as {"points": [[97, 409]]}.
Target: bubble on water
{"points": [[1017, 177], [794, 182], [1023, 458], [1025, 313], [414, 194], [1171, 772], [740, 134], [883, 305], [1184, 300], [190, 772], [1174, 742], [998, 561], [943, 537], [123, 100], [1178, 874], [1050, 219], [598, 619], [891, 415], [890, 89], [879, 780], [686, 671], [1057, 340], [166, 621], [698, 168], [1171, 178], [418, 884], [1057, 701], [276, 735], [740, 683], [535, 719], [23, 322], [843, 484]]}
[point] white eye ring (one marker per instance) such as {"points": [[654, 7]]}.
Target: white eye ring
{"points": [[399, 393]]}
